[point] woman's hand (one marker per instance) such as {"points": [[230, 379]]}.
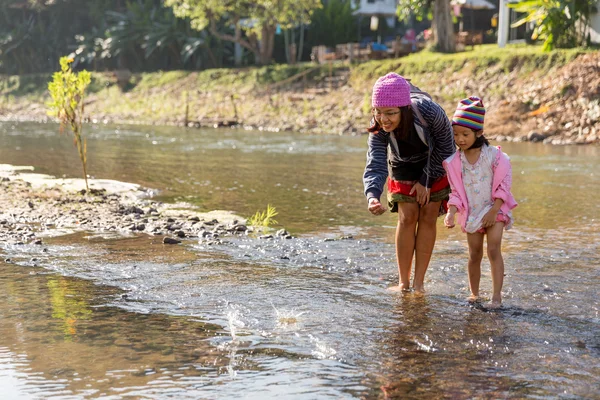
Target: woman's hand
{"points": [[422, 195], [375, 206]]}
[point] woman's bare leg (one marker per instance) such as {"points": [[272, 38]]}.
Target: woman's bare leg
{"points": [[494, 251], [425, 240], [408, 215], [475, 241]]}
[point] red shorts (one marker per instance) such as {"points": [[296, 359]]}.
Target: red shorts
{"points": [[399, 192], [403, 187]]}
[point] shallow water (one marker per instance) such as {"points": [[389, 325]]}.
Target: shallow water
{"points": [[88, 316]]}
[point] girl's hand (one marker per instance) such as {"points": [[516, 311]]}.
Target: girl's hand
{"points": [[375, 206], [422, 195], [489, 219], [449, 220]]}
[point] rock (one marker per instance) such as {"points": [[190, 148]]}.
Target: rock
{"points": [[168, 240], [282, 232], [534, 136], [133, 210], [239, 228]]}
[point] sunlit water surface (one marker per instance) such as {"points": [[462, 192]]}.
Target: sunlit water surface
{"points": [[90, 315]]}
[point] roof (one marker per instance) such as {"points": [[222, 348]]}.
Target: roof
{"points": [[474, 4]]}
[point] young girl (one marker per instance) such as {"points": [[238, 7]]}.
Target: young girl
{"points": [[480, 179]]}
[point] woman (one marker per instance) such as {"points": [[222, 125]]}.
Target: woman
{"points": [[419, 137]]}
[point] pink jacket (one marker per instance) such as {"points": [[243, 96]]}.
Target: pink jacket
{"points": [[501, 184]]}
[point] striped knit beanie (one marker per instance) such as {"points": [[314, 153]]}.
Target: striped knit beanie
{"points": [[470, 113], [391, 90]]}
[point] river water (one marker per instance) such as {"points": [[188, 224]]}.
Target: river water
{"points": [[90, 315]]}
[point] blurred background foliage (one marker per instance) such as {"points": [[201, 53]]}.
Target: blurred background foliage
{"points": [[141, 36]]}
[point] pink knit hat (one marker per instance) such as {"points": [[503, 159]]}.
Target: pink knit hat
{"points": [[391, 90]]}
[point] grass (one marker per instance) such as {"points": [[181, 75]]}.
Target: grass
{"points": [[526, 57], [161, 97], [161, 78], [263, 219]]}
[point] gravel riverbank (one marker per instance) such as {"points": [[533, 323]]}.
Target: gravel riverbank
{"points": [[34, 206]]}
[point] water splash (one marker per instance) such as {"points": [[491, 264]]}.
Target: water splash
{"points": [[287, 316], [322, 351], [429, 348], [234, 322]]}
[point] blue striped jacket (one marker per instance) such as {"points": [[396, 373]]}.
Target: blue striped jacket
{"points": [[439, 137]]}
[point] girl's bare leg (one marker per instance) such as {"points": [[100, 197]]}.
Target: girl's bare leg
{"points": [[426, 233], [494, 244], [475, 242], [408, 215]]}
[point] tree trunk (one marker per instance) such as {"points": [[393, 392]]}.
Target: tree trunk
{"points": [[254, 48], [267, 42], [286, 44], [301, 44], [443, 29], [263, 49]]}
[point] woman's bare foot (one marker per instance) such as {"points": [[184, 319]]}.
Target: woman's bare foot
{"points": [[472, 299], [419, 289], [402, 288]]}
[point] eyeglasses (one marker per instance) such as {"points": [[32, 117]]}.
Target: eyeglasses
{"points": [[388, 114]]}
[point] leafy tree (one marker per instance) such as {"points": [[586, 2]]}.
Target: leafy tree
{"points": [[101, 34], [145, 36], [254, 22], [67, 90], [559, 23], [34, 33], [439, 12]]}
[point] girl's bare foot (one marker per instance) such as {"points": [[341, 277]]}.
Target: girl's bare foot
{"points": [[494, 304]]}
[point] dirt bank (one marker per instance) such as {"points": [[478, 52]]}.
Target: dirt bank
{"points": [[533, 98]]}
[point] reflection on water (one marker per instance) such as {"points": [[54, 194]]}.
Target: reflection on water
{"points": [[60, 339], [302, 318], [313, 181], [208, 324]]}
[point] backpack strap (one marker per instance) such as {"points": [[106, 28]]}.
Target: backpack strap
{"points": [[416, 90], [419, 129], [394, 143]]}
